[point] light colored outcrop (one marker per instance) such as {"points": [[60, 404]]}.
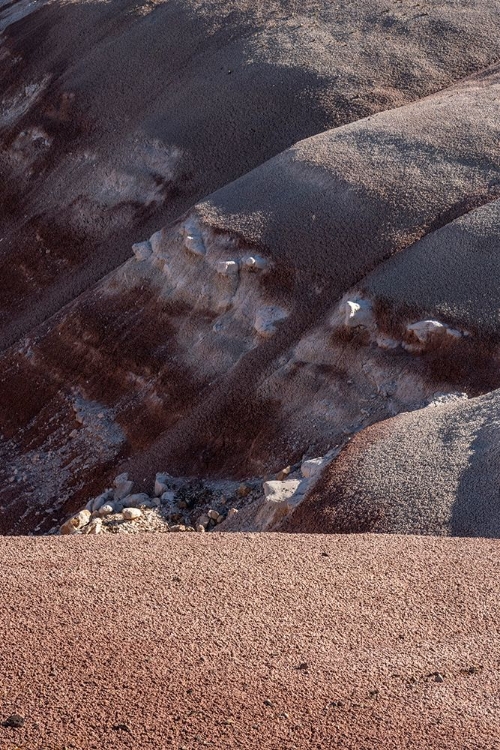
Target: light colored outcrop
{"points": [[227, 267], [254, 263], [193, 238], [131, 514], [142, 250], [358, 312], [312, 467], [76, 522]]}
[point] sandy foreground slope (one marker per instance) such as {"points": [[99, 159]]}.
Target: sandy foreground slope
{"points": [[250, 641]]}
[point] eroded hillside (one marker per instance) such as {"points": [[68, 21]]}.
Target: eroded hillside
{"points": [[329, 256]]}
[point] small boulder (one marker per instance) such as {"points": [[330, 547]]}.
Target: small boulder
{"points": [[76, 522], [243, 490], [213, 514], [312, 467], [168, 498], [193, 238], [162, 484], [106, 510], [424, 329], [281, 475], [254, 263], [136, 501], [97, 502], [15, 721], [94, 527], [358, 312], [131, 514], [123, 486]]}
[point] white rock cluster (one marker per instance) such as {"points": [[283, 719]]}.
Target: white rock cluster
{"points": [[182, 504], [357, 312], [119, 510]]}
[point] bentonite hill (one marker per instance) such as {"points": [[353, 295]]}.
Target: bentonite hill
{"points": [[250, 283]]}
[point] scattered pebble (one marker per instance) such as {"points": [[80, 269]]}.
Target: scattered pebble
{"points": [[15, 721]]}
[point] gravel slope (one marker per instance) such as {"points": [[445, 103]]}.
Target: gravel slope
{"points": [[432, 471], [249, 641]]}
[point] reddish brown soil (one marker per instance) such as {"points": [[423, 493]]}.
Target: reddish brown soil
{"points": [[250, 641]]}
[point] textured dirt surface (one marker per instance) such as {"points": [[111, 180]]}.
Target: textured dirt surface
{"points": [[118, 116], [250, 641], [451, 274]]}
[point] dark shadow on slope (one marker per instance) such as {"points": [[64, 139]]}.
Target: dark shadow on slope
{"points": [[224, 112], [476, 512]]}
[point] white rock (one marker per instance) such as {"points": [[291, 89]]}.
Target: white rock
{"points": [[106, 510], [99, 501], [130, 514], [423, 329], [442, 399], [312, 467], [385, 342], [95, 526], [142, 250], [254, 263], [453, 332], [279, 491], [213, 514], [227, 267], [200, 528], [358, 312], [135, 501], [76, 522]]}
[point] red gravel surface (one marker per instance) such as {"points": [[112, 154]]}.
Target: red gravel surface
{"points": [[250, 641]]}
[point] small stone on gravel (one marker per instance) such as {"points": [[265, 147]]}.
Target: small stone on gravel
{"points": [[14, 720]]}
